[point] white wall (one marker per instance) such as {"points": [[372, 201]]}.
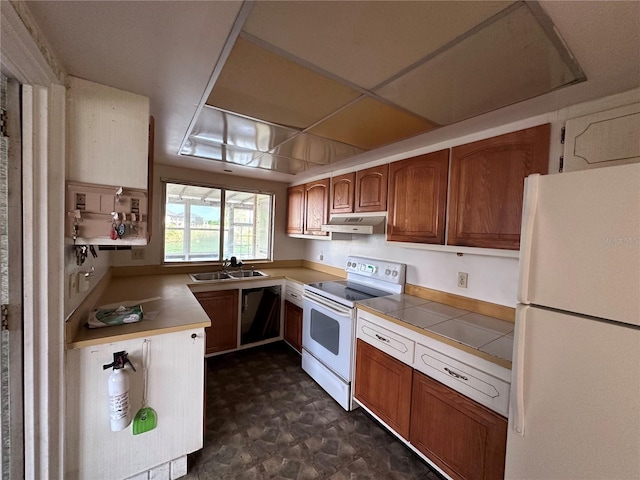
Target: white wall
{"points": [[285, 248], [101, 265], [493, 279]]}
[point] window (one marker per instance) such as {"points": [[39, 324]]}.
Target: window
{"points": [[207, 223]]}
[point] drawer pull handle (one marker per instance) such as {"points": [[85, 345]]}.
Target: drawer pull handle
{"points": [[293, 295], [382, 339], [456, 375]]}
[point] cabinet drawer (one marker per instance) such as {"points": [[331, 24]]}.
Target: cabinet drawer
{"points": [[389, 342], [485, 389], [293, 295]]}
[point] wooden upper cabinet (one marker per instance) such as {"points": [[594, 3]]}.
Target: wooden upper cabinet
{"points": [[371, 189], [487, 185], [107, 135], [417, 198], [295, 209], [342, 193], [316, 207]]}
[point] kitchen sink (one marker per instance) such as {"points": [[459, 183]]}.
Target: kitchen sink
{"points": [[205, 277], [247, 273], [213, 276]]}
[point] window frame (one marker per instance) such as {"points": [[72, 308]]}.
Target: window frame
{"points": [[223, 197]]}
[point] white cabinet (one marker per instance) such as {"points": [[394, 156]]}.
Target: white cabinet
{"points": [[610, 137], [175, 392], [107, 135]]}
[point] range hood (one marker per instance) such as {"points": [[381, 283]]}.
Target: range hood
{"points": [[362, 223]]}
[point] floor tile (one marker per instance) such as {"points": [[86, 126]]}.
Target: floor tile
{"points": [[267, 419]]}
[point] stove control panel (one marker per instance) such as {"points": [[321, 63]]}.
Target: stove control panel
{"points": [[376, 269]]}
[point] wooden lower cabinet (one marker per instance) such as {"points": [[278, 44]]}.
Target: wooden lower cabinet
{"points": [[465, 439], [383, 384], [293, 325], [222, 308]]}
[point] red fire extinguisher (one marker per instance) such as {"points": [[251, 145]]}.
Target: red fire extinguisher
{"points": [[119, 405]]}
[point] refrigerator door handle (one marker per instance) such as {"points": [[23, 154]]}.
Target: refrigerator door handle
{"points": [[517, 381], [529, 208]]}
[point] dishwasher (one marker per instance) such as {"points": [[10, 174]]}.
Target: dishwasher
{"points": [[260, 314]]}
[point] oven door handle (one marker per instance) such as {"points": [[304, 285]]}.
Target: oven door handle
{"points": [[328, 304]]}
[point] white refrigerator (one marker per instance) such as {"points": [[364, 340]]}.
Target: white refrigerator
{"points": [[575, 391]]}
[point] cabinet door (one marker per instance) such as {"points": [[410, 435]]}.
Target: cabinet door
{"points": [[371, 189], [383, 384], [342, 193], [175, 391], [107, 135], [316, 207], [295, 209], [487, 186], [222, 308], [417, 198], [603, 139], [461, 436], [293, 325]]}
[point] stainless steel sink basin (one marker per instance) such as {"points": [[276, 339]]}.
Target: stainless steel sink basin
{"points": [[247, 273], [205, 277], [213, 276]]}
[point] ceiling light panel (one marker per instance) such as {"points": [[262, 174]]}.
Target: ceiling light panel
{"points": [[365, 42], [508, 61], [269, 161], [369, 123], [217, 126], [314, 149], [260, 84]]}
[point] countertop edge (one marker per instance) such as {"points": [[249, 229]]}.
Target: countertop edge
{"points": [[133, 335], [478, 353]]}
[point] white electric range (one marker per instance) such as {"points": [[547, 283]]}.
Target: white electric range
{"points": [[328, 323]]}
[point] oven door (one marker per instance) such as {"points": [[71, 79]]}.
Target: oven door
{"points": [[327, 329]]}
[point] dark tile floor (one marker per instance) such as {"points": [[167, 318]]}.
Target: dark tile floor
{"points": [[266, 418]]}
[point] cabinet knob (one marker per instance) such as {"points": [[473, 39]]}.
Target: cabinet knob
{"points": [[194, 336]]}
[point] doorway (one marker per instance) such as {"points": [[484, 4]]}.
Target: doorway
{"points": [[11, 337]]}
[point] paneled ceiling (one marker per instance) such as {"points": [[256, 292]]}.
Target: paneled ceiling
{"points": [[346, 77], [269, 89]]}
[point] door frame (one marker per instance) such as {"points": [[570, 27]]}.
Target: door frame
{"points": [[27, 58]]}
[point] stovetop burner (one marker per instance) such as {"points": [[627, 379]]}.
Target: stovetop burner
{"points": [[350, 291]]}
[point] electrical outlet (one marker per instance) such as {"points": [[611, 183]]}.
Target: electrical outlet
{"points": [[137, 253], [462, 279], [84, 282], [321, 256]]}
